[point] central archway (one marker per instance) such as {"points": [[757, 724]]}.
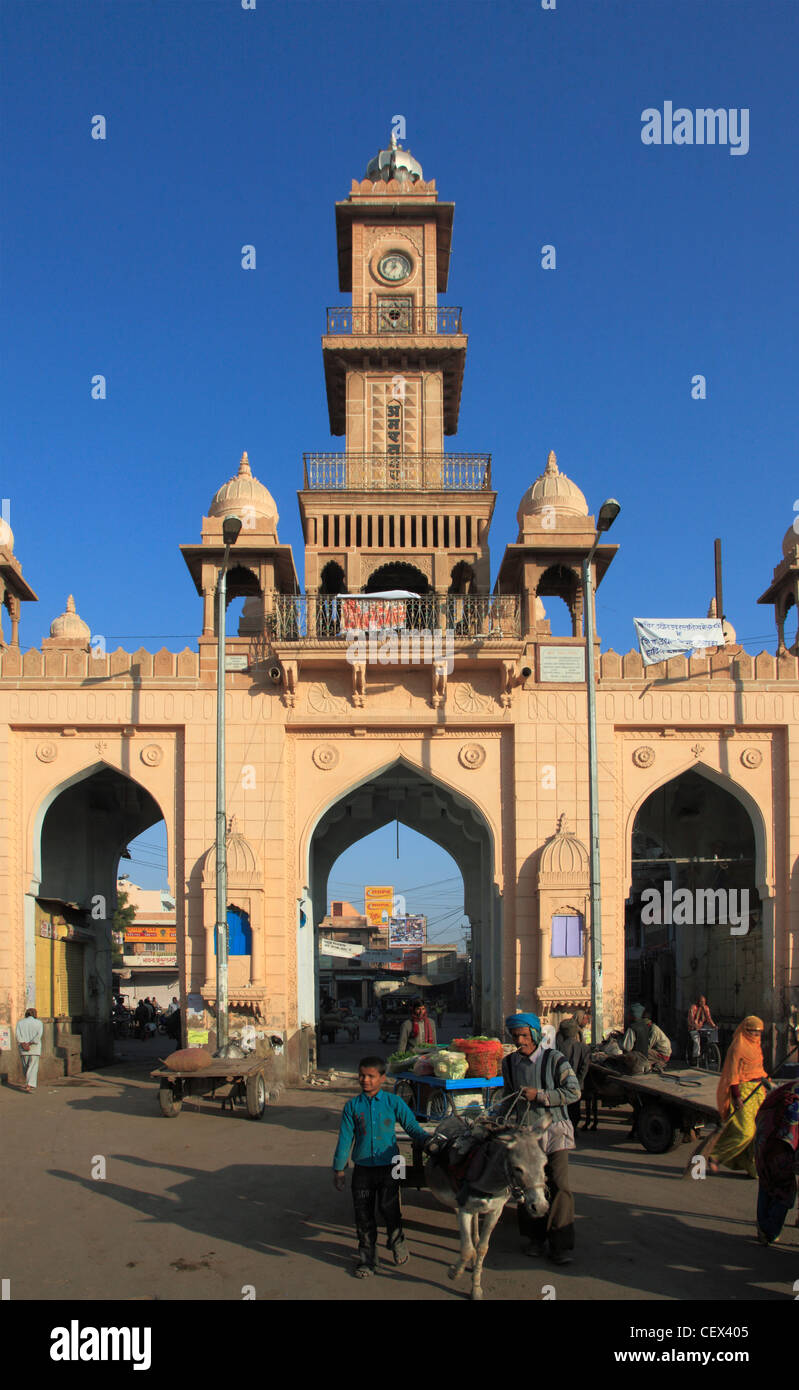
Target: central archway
{"points": [[404, 792]]}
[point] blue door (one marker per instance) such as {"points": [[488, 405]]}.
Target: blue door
{"points": [[239, 933]]}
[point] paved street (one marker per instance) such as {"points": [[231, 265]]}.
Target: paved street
{"points": [[199, 1206]]}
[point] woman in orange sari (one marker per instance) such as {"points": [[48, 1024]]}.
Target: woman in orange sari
{"points": [[739, 1096]]}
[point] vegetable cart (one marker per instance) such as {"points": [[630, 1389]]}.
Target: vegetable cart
{"points": [[237, 1081], [433, 1097]]}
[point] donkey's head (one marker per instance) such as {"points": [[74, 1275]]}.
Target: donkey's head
{"points": [[526, 1163]]}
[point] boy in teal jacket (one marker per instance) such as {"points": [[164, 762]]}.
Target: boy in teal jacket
{"points": [[368, 1131]]}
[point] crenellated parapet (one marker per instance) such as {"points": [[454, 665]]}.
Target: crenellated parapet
{"points": [[92, 666], [731, 666]]}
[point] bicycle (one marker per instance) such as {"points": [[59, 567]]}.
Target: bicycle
{"points": [[709, 1051]]}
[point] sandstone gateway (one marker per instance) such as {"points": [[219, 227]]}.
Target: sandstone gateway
{"points": [[698, 759]]}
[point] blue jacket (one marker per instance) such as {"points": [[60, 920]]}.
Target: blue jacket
{"points": [[370, 1123]]}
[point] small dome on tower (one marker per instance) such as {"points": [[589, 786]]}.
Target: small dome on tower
{"points": [[552, 489], [69, 624], [244, 496], [563, 853], [6, 536], [789, 542], [394, 163], [242, 862]]}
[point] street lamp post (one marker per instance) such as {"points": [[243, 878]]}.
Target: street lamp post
{"points": [[231, 527], [607, 515]]}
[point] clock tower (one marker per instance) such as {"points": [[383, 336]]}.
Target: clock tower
{"points": [[394, 511]]}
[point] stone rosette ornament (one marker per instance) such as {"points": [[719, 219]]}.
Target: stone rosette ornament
{"points": [[325, 756], [751, 757], [472, 756], [644, 756], [47, 752], [152, 755]]}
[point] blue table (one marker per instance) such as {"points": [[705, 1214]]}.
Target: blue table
{"points": [[433, 1097]]}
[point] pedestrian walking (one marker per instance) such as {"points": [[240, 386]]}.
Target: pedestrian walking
{"points": [[368, 1131], [416, 1029], [776, 1160], [568, 1041], [738, 1098], [29, 1033], [543, 1077]]}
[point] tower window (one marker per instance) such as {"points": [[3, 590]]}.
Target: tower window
{"points": [[567, 935]]}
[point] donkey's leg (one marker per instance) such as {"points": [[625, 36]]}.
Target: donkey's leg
{"points": [[467, 1255], [489, 1222]]}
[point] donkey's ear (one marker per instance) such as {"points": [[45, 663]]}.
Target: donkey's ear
{"points": [[543, 1121]]}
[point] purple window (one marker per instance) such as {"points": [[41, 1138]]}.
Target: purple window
{"points": [[567, 935]]}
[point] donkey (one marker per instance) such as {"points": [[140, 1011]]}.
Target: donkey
{"points": [[475, 1168]]}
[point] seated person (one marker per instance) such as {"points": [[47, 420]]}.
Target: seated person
{"points": [[644, 1038]]}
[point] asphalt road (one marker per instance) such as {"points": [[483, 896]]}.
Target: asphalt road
{"points": [[204, 1205]]}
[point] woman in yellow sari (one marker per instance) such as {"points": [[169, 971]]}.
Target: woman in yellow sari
{"points": [[739, 1096]]}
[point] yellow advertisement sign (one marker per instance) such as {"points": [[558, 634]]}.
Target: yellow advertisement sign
{"points": [[378, 902], [150, 933]]}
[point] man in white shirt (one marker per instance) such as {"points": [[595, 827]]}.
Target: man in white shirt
{"points": [[29, 1037]]}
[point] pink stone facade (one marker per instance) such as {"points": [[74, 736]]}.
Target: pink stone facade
{"points": [[489, 758]]}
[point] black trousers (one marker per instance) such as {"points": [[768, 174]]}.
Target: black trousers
{"points": [[376, 1187], [558, 1225]]}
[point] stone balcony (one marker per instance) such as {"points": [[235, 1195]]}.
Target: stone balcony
{"points": [[338, 472]]}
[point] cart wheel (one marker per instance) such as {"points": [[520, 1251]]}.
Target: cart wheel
{"points": [[407, 1092], [170, 1098], [256, 1096], [439, 1105], [713, 1057], [657, 1129]]}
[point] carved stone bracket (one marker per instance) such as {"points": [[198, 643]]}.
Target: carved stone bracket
{"points": [[439, 684], [289, 683], [358, 684]]}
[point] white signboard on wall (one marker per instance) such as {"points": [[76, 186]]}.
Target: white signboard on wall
{"points": [[561, 663]]}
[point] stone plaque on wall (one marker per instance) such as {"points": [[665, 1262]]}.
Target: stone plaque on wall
{"points": [[561, 663]]}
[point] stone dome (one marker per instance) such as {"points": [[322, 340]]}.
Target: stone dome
{"points": [[552, 489], [394, 163], [69, 624], [789, 543], [6, 536], [564, 854], [243, 496], [241, 861]]}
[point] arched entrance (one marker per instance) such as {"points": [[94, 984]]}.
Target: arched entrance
{"points": [[406, 793], [81, 832], [694, 919]]}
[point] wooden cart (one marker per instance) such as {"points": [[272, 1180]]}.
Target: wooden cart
{"points": [[237, 1081], [668, 1108]]}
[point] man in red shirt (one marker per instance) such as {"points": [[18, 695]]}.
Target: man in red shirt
{"points": [[699, 1016]]}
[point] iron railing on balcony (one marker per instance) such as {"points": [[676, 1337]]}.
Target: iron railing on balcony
{"points": [[395, 316], [397, 472], [309, 618]]}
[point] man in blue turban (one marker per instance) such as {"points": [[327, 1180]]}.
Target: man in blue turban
{"points": [[540, 1081]]}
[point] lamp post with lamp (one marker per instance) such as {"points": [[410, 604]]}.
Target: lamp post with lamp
{"points": [[231, 527], [607, 515]]}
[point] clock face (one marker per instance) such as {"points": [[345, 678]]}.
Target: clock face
{"points": [[394, 266]]}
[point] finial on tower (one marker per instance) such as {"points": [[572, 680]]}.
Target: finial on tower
{"points": [[244, 466], [552, 463]]}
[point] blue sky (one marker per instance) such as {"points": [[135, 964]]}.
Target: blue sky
{"points": [[227, 127]]}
